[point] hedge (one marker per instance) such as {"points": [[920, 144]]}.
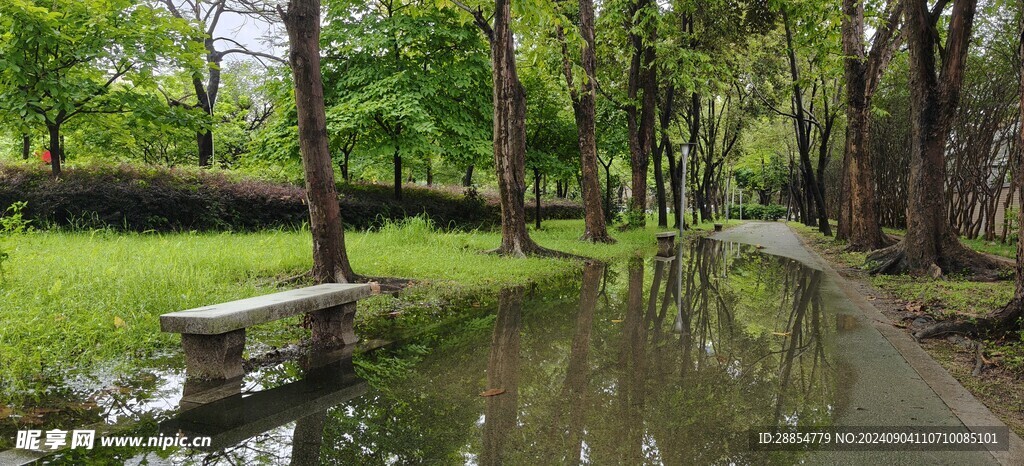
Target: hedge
{"points": [[142, 198], [758, 212]]}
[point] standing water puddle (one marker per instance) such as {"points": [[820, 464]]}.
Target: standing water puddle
{"points": [[603, 369]]}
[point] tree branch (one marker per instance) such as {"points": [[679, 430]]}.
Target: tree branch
{"points": [[478, 19]]}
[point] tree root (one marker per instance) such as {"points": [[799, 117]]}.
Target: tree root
{"points": [[954, 258], [606, 238], [995, 324], [979, 360], [534, 250]]}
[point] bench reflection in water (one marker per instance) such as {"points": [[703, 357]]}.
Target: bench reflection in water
{"points": [[330, 380]]}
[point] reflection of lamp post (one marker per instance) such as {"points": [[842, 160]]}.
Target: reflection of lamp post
{"points": [[682, 216]]}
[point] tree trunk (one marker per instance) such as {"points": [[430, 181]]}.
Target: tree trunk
{"points": [[509, 137], [398, 175], [584, 109], [1009, 317], [608, 192], [803, 127], [642, 77], [467, 180], [858, 216], [536, 198], [54, 130], [330, 260], [26, 147], [930, 246], [204, 137], [344, 167]]}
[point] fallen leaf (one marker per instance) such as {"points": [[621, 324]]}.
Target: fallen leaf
{"points": [[616, 321], [118, 322], [493, 392]]}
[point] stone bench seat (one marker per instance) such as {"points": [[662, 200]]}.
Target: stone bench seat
{"points": [[213, 337]]}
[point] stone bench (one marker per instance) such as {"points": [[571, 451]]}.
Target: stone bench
{"points": [[666, 243], [213, 337]]}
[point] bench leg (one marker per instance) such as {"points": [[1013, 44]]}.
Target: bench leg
{"points": [[333, 327], [214, 356]]}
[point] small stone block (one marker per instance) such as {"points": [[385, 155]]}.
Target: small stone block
{"points": [[214, 357], [666, 243]]}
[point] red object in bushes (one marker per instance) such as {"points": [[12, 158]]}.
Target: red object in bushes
{"points": [[45, 156]]}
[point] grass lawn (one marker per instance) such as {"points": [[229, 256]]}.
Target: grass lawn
{"points": [[71, 300]]}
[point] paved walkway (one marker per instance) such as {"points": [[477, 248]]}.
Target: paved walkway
{"points": [[885, 377]]}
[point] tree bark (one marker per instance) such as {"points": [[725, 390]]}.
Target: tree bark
{"points": [[467, 179], [858, 218], [398, 175], [509, 137], [26, 147], [204, 137], [1008, 317], [584, 110], [930, 245], [55, 160], [330, 260], [642, 77], [536, 198]]}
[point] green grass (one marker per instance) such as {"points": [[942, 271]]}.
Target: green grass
{"points": [[77, 299], [1008, 250]]}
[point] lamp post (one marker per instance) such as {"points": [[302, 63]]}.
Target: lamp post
{"points": [[685, 148], [679, 250]]}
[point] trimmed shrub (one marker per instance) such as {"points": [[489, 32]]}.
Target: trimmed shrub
{"points": [[136, 198], [770, 212]]}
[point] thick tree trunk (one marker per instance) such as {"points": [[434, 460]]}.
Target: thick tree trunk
{"points": [[330, 260], [865, 234], [1009, 317], [642, 78], [930, 246], [858, 216], [595, 229], [584, 109], [509, 137]]}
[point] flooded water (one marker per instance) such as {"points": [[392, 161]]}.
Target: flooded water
{"points": [[602, 369]]}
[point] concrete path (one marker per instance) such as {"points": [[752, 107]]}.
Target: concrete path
{"points": [[885, 377]]}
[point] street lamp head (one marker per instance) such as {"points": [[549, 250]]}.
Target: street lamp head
{"points": [[686, 148]]}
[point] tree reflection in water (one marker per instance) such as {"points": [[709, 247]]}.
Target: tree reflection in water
{"points": [[602, 370]]}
